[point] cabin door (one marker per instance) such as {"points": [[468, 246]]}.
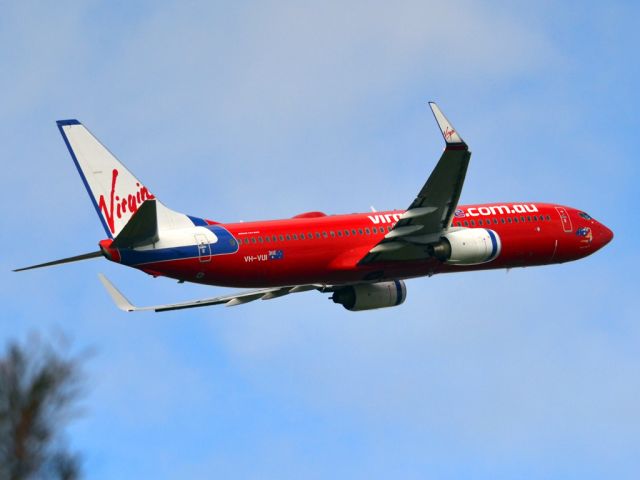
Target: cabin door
{"points": [[204, 248]]}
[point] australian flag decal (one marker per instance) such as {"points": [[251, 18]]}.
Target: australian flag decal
{"points": [[276, 254]]}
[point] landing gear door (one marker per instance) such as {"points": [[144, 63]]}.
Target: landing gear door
{"points": [[204, 247]]}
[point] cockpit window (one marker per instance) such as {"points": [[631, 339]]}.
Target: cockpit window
{"points": [[585, 216]]}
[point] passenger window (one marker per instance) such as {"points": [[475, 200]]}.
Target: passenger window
{"points": [[317, 234], [274, 239], [480, 222], [346, 233], [502, 220], [360, 231], [260, 239], [267, 239], [282, 238], [367, 231], [389, 229], [522, 219], [288, 237], [340, 233], [509, 220], [353, 232], [548, 218], [466, 224], [528, 218], [495, 221], [295, 236], [535, 218], [253, 239], [333, 234], [375, 229], [324, 234], [515, 219], [473, 223]]}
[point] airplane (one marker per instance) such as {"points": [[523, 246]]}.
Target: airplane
{"points": [[361, 259]]}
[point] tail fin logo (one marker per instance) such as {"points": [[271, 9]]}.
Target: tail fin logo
{"points": [[128, 203]]}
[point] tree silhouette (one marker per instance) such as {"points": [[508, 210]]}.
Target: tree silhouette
{"points": [[39, 384]]}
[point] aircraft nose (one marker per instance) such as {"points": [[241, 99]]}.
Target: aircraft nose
{"points": [[605, 235]]}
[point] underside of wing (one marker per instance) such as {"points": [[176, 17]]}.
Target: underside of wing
{"points": [[433, 208], [231, 300]]}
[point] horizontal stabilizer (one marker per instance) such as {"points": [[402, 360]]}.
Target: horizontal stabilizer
{"points": [[77, 258], [142, 229]]}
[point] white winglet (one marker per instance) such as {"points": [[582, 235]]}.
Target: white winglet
{"points": [[448, 132], [118, 298]]}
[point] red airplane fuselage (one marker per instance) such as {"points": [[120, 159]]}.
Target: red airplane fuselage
{"points": [[314, 248]]}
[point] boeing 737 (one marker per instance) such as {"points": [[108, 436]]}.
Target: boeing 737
{"points": [[362, 259]]}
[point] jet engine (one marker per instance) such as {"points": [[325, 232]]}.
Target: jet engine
{"points": [[371, 295], [470, 246]]}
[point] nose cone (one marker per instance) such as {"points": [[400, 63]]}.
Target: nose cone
{"points": [[603, 236]]}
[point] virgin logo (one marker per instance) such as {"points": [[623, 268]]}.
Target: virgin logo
{"points": [[126, 204], [448, 133]]}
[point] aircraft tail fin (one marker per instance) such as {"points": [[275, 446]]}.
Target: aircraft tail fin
{"points": [[115, 192]]}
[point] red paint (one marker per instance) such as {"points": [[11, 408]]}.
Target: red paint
{"points": [[125, 203], [111, 253], [448, 133], [334, 259]]}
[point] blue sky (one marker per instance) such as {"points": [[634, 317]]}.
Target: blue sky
{"points": [[268, 109]]}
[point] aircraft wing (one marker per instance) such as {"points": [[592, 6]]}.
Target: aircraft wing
{"points": [[434, 206], [231, 300]]}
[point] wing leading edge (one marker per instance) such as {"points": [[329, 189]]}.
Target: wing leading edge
{"points": [[434, 206]]}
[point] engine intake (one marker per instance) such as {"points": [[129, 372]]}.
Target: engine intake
{"points": [[371, 295], [467, 247]]}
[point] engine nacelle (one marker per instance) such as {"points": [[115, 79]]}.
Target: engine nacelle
{"points": [[371, 295], [470, 246]]}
